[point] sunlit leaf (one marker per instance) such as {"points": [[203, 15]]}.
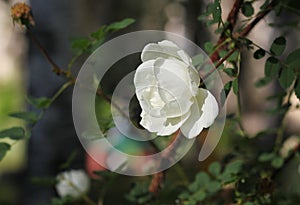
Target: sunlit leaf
{"points": [[14, 133], [119, 25]]}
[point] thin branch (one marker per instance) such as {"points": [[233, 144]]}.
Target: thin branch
{"points": [[259, 17], [231, 19]]}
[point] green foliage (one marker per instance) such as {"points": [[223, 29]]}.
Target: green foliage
{"points": [[82, 45], [286, 78], [272, 67], [39, 103], [247, 9], [30, 117], [213, 14], [260, 53], [278, 46], [4, 148], [139, 194], [14, 133], [293, 61]]}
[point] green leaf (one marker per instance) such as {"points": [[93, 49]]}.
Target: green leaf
{"points": [[202, 178], [100, 33], [231, 170], [199, 195], [230, 72], [286, 78], [277, 162], [217, 12], [225, 92], [119, 25], [263, 81], [80, 44], [293, 61], [209, 47], [39, 102], [214, 168], [235, 86], [227, 88], [248, 203], [214, 187], [247, 9], [14, 133], [234, 167], [30, 117], [260, 53], [4, 148], [264, 157], [297, 88], [278, 46], [272, 67], [265, 5], [198, 60]]}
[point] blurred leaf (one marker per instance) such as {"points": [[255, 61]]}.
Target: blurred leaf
{"points": [[272, 67], [277, 162], [230, 72], [4, 148], [231, 170], [80, 44], [100, 33], [297, 88], [199, 195], [235, 86], [30, 117], [44, 181], [39, 102], [278, 46], [198, 60], [139, 193], [286, 78], [227, 88], [264, 157], [214, 187], [234, 167], [263, 81], [293, 61], [214, 168], [247, 9], [260, 53], [15, 133], [209, 47], [119, 25], [265, 4]]}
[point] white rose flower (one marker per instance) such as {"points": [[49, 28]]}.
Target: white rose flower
{"points": [[167, 87], [73, 183]]}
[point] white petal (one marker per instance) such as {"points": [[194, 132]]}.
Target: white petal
{"points": [[144, 75], [165, 49], [161, 125], [203, 114], [175, 86]]}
